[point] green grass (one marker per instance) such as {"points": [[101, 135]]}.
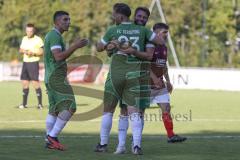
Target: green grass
{"points": [[211, 125]]}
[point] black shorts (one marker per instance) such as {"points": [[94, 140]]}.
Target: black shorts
{"points": [[30, 71]]}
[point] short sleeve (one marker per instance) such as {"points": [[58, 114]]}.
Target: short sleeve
{"points": [[150, 45], [55, 42], [22, 43], [40, 42], [150, 34], [108, 36]]}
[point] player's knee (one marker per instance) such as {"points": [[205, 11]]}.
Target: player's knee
{"points": [[124, 111], [72, 111], [109, 108], [53, 114], [132, 110], [36, 84], [25, 84], [168, 108], [142, 112], [65, 115], [165, 107]]}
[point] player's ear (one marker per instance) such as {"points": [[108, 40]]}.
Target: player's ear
{"points": [[121, 18]]}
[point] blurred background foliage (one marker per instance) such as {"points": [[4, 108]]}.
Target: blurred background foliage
{"points": [[205, 32]]}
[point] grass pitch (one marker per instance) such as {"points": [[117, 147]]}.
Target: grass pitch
{"points": [[210, 120]]}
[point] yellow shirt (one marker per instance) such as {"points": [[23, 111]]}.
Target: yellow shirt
{"points": [[32, 44]]}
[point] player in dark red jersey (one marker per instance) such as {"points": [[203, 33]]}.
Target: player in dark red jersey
{"points": [[160, 89]]}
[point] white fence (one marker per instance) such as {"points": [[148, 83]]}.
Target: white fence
{"points": [[212, 79], [184, 78]]}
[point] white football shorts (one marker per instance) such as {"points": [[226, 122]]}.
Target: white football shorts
{"points": [[159, 96]]}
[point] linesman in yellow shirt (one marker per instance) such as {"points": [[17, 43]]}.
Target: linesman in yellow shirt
{"points": [[31, 48]]}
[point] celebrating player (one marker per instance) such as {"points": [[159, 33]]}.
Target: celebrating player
{"points": [[125, 71], [60, 95], [141, 16]]}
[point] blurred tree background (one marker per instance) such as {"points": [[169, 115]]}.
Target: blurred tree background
{"points": [[206, 33]]}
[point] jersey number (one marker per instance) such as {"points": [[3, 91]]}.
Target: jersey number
{"points": [[134, 41]]}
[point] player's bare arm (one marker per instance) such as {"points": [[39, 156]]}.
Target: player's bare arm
{"points": [[23, 51], [39, 52], [156, 81], [108, 47], [168, 83], [62, 55], [27, 52], [147, 55], [100, 47], [30, 53]]}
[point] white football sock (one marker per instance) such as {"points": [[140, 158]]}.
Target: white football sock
{"points": [[50, 121], [136, 125], [62, 119], [122, 130], [106, 126]]}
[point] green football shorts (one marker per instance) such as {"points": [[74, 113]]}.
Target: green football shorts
{"points": [[124, 83], [60, 100]]}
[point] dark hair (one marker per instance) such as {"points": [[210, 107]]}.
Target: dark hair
{"points": [[123, 9], [58, 14], [144, 9], [30, 25], [115, 6], [160, 26]]}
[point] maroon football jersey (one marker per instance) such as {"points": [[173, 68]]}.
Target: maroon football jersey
{"points": [[159, 61]]}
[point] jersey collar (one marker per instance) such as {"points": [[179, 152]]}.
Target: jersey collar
{"points": [[57, 31], [126, 23], [31, 37]]}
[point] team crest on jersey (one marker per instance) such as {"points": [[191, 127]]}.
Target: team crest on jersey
{"points": [[164, 52]]}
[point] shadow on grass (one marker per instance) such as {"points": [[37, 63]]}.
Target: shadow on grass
{"points": [[46, 106], [29, 145]]}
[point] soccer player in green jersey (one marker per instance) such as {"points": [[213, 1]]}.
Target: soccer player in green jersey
{"points": [[60, 95], [141, 16], [159, 92], [125, 69]]}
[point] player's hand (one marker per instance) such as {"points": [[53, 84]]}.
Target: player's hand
{"points": [[25, 51], [129, 50], [79, 43], [157, 82], [29, 53], [114, 44], [161, 38], [169, 87], [110, 47]]}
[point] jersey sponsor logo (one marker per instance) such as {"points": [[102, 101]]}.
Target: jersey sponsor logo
{"points": [[160, 62]]}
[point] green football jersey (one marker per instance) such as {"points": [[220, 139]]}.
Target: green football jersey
{"points": [[137, 35], [52, 41]]}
